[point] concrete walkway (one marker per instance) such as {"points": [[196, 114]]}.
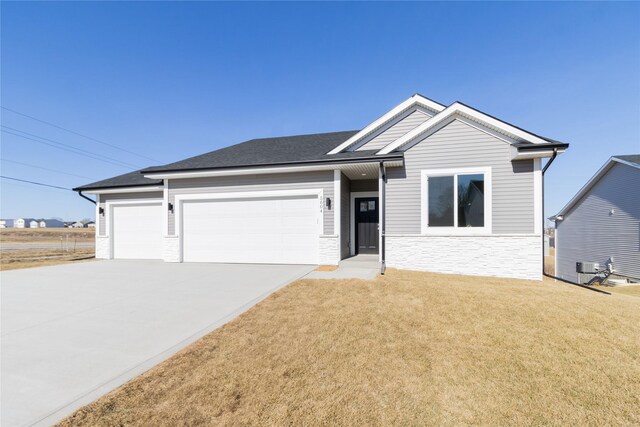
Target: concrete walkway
{"points": [[363, 266], [71, 333]]}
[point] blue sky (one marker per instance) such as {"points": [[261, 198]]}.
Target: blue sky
{"points": [[172, 80]]}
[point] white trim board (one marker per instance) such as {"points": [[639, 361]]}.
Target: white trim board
{"points": [[457, 231], [337, 202], [352, 216], [143, 189], [415, 100], [268, 170]]}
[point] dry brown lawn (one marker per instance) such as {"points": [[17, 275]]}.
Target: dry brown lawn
{"points": [[17, 236], [27, 258], [625, 290], [406, 349]]}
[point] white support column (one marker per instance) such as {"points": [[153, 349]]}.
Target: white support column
{"points": [[381, 196], [337, 196], [165, 208]]}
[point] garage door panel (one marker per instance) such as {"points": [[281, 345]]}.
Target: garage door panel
{"points": [[137, 231], [263, 230]]}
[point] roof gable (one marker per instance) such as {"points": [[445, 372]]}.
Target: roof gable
{"points": [[513, 133], [630, 160], [392, 115]]}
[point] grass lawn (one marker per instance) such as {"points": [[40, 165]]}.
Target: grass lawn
{"points": [[408, 348]]}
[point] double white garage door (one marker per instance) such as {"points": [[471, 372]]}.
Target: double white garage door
{"points": [[282, 230]]}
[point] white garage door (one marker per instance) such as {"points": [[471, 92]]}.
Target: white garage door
{"points": [[137, 231], [265, 230]]}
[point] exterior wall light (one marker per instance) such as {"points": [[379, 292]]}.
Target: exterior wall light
{"points": [[101, 211], [328, 203], [170, 206]]}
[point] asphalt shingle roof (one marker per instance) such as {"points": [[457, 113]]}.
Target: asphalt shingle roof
{"points": [[300, 149]]}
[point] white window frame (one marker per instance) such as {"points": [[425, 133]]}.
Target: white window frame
{"points": [[455, 230]]}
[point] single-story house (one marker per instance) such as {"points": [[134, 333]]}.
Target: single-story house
{"points": [[50, 223], [75, 224], [24, 222], [601, 223], [88, 224], [425, 186], [6, 223]]}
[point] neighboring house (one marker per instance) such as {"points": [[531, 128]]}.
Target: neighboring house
{"points": [[76, 224], [34, 223], [6, 223], [89, 224], [426, 186], [602, 222], [24, 222], [50, 223]]}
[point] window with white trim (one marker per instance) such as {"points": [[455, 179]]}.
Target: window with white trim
{"points": [[457, 201]]}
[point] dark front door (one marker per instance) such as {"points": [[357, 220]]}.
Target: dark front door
{"points": [[366, 225]]}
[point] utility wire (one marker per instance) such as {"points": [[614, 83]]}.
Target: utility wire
{"points": [[73, 150], [79, 134], [35, 183], [43, 168], [69, 146]]}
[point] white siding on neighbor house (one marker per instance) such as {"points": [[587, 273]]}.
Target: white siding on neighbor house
{"points": [[459, 145], [252, 183], [104, 198], [395, 130], [345, 201], [591, 232]]}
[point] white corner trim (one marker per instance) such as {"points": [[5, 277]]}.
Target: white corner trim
{"points": [[352, 216], [98, 233], [180, 199], [165, 207], [149, 188], [537, 196], [457, 231], [457, 108], [415, 100], [337, 198]]}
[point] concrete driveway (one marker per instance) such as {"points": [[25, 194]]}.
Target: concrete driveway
{"points": [[72, 333]]}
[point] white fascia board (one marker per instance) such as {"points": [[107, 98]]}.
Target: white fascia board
{"points": [[463, 110], [264, 170], [534, 154], [415, 100], [593, 181], [125, 190]]}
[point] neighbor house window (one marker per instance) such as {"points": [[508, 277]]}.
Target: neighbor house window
{"points": [[455, 200]]}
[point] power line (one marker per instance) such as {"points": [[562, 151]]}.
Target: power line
{"points": [[35, 183], [69, 146], [43, 168], [75, 151], [79, 134]]}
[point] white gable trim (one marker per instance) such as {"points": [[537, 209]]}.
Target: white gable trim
{"points": [[469, 113], [593, 181], [415, 100]]}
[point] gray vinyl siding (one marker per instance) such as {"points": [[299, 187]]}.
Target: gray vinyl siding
{"points": [[590, 233], [101, 220], [345, 231], [459, 145], [389, 134], [272, 182]]}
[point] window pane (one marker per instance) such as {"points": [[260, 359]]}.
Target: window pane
{"points": [[471, 200], [440, 201]]}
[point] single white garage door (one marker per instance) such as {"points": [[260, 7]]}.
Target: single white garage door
{"points": [[137, 231], [281, 230]]}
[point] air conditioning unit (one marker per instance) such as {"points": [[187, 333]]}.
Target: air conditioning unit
{"points": [[587, 267]]}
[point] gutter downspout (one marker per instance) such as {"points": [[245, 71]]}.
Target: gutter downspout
{"points": [[382, 190], [86, 198], [553, 157]]}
